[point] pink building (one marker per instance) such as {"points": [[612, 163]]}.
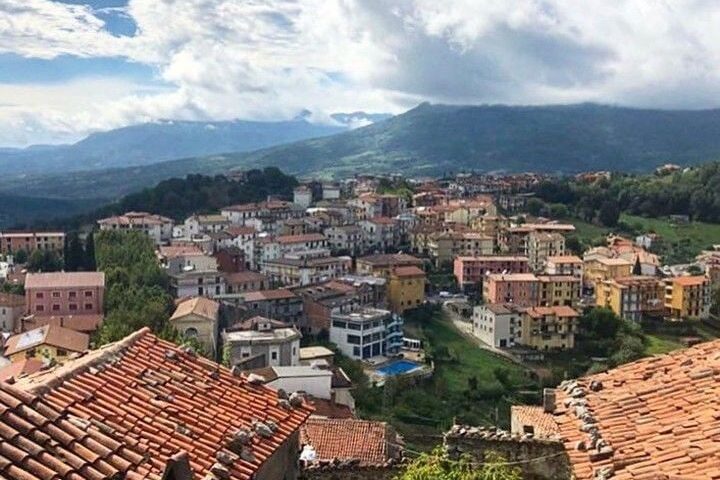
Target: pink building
{"points": [[470, 271], [522, 289], [64, 293]]}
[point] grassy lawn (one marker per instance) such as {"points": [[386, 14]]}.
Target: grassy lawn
{"points": [[658, 344]]}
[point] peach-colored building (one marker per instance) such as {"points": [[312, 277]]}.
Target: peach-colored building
{"points": [[471, 270], [12, 242], [64, 293], [520, 289]]}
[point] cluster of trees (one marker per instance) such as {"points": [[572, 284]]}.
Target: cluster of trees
{"points": [[604, 334], [436, 465], [79, 255], [136, 288], [695, 192]]}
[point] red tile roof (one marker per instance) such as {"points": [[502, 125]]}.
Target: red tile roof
{"points": [[543, 423], [261, 295], [40, 441], [306, 237], [53, 335], [411, 271], [167, 400], [657, 417], [23, 367], [65, 280], [347, 439], [86, 323]]}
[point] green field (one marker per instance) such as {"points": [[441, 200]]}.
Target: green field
{"points": [[658, 344]]}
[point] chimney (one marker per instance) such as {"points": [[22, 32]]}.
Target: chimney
{"points": [[549, 400]]}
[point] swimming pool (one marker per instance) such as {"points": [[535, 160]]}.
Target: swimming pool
{"points": [[398, 367]]}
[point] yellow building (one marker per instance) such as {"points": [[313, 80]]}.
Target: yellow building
{"points": [[632, 298], [687, 297], [599, 269], [197, 318], [558, 290], [549, 328], [49, 342], [406, 288], [380, 265]]}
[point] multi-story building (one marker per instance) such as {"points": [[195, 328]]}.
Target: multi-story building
{"points": [[564, 265], [307, 245], [516, 239], [443, 247], [157, 227], [289, 271], [267, 212], [261, 342], [247, 281], [302, 196], [522, 289], [197, 283], [632, 298], [496, 324], [64, 293], [559, 290], [687, 297], [381, 233], [323, 300], [13, 242], [541, 245], [12, 308], [381, 265], [599, 269], [198, 318], [181, 258], [345, 239], [549, 328], [470, 271], [280, 304], [367, 333], [198, 224], [406, 288]]}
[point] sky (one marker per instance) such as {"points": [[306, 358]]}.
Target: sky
{"points": [[69, 68]]}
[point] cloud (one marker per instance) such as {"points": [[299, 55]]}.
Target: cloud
{"points": [[270, 59]]}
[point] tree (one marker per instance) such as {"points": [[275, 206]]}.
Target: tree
{"points": [[44, 261], [74, 254], [20, 257], [637, 268], [90, 264], [609, 213], [436, 465], [534, 206]]}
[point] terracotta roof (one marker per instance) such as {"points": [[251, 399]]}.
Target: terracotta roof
{"points": [[236, 231], [328, 409], [22, 367], [200, 306], [384, 259], [564, 259], [512, 277], [174, 251], [86, 323], [38, 440], [277, 294], [657, 417], [383, 220], [168, 400], [347, 439], [53, 335], [306, 237], [411, 271], [558, 311], [65, 280], [244, 277], [689, 281], [543, 423], [11, 300]]}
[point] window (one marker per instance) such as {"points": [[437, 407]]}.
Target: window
{"points": [[39, 295], [88, 306], [39, 308], [56, 307], [273, 355], [339, 324], [61, 352], [72, 295], [56, 294], [191, 332], [88, 293], [353, 339], [73, 307]]}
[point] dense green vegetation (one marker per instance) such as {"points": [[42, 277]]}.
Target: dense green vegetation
{"points": [[19, 209], [432, 139], [436, 465]]}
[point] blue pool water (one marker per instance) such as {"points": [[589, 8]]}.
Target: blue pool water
{"points": [[397, 367]]}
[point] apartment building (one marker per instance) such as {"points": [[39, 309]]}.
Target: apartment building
{"points": [[470, 271], [541, 245], [549, 328], [280, 304], [516, 239], [599, 269], [406, 288], [261, 342], [443, 247], [157, 227], [64, 293], [12, 308], [289, 271], [564, 265], [247, 281], [348, 239], [380, 265], [687, 297], [367, 333], [201, 283], [199, 224], [522, 289], [381, 233], [632, 298], [12, 242], [496, 324], [557, 290]]}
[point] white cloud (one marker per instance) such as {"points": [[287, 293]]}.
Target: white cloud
{"points": [[270, 59]]}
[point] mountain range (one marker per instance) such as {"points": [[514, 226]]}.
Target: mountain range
{"points": [[432, 140]]}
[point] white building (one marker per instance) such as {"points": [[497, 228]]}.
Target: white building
{"points": [[263, 342], [346, 238], [157, 227], [302, 196], [496, 325], [367, 333], [12, 308], [330, 191], [197, 224]]}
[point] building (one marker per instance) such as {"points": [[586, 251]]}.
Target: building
{"points": [[599, 269], [15, 370], [496, 324], [541, 246], [302, 196], [198, 318], [557, 290], [367, 333], [309, 245], [157, 227], [444, 247], [184, 258], [247, 281], [632, 298], [380, 233], [564, 265], [280, 304], [199, 224], [288, 271], [322, 300], [308, 355], [516, 240], [470, 271], [380, 265], [646, 419], [173, 404], [260, 342], [549, 328], [345, 239], [64, 293], [13, 242], [85, 323], [405, 288], [687, 297], [522, 289], [12, 308], [230, 259], [47, 342], [330, 191], [198, 283]]}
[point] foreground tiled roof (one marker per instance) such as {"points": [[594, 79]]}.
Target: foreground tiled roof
{"points": [[347, 439], [656, 418], [167, 400], [17, 369], [38, 440]]}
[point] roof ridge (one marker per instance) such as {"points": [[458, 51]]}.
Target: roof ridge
{"points": [[91, 358]]}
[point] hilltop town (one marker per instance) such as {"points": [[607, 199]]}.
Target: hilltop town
{"points": [[342, 330]]}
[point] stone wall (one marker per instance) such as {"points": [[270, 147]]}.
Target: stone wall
{"points": [[541, 459], [354, 473]]}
